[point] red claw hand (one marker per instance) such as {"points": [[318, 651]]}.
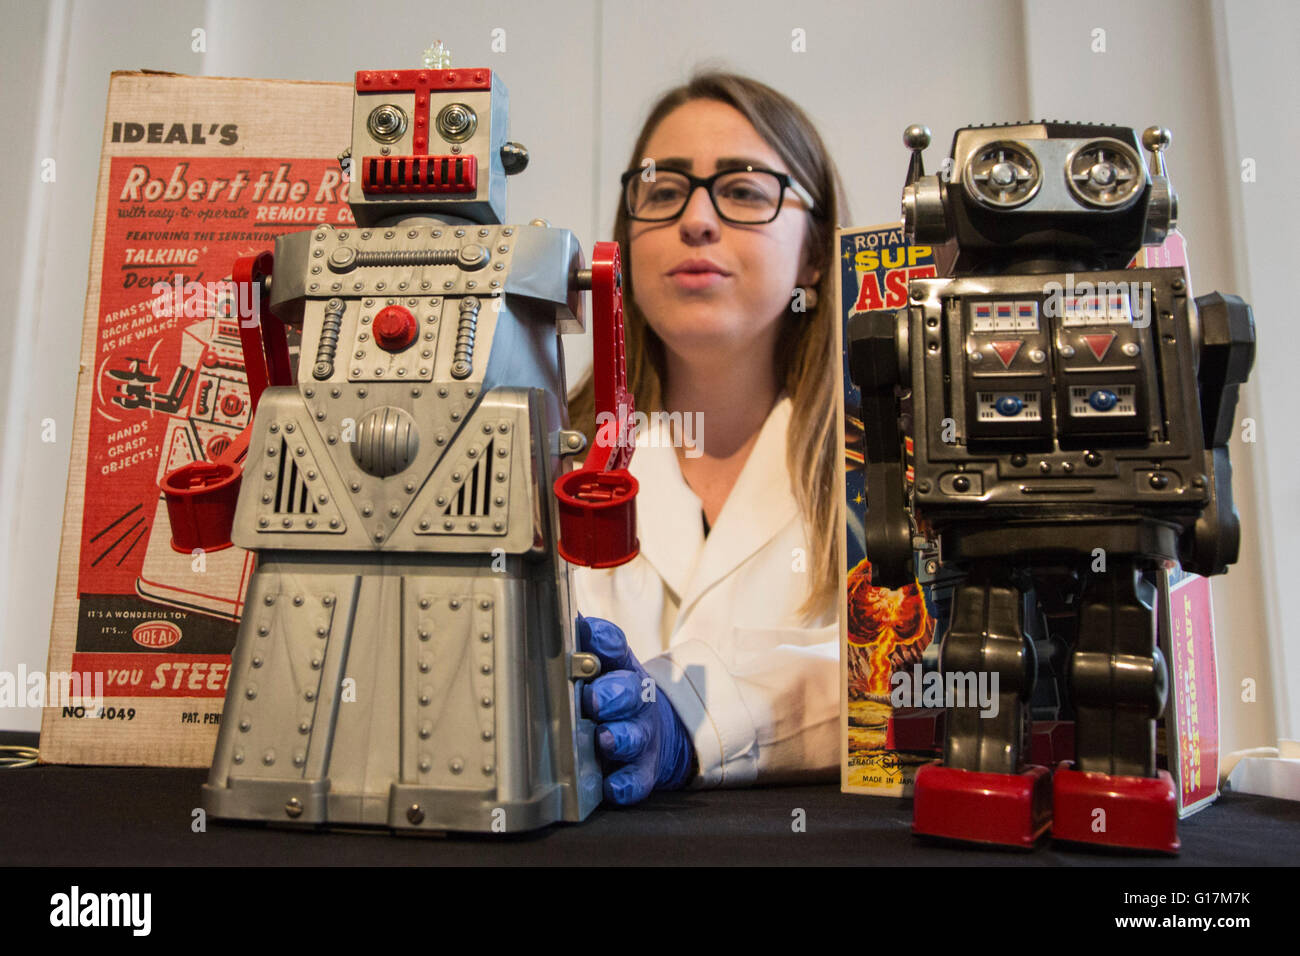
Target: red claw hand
{"points": [[202, 495], [597, 502]]}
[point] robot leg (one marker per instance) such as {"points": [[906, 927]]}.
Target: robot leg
{"points": [[1113, 794], [986, 636], [982, 792]]}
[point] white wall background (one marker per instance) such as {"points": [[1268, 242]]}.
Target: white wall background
{"points": [[1222, 74]]}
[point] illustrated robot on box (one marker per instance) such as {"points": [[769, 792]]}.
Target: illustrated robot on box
{"points": [[407, 656], [1071, 422]]}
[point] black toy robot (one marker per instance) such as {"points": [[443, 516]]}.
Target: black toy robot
{"points": [[1071, 420]]}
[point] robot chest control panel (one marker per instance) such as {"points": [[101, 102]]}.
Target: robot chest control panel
{"points": [[1053, 365]]}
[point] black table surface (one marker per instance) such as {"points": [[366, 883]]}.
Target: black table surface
{"points": [[139, 816]]}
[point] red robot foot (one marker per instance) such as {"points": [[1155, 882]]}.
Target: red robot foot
{"points": [[1138, 813], [975, 807]]}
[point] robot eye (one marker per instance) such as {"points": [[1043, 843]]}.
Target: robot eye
{"points": [[1002, 175], [456, 122], [387, 123], [1104, 174]]}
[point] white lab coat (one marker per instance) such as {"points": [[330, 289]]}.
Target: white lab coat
{"points": [[713, 619]]}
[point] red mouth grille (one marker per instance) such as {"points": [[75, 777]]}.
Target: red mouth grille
{"points": [[420, 174]]}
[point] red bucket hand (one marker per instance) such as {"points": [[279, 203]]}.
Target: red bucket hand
{"points": [[597, 502], [202, 495]]}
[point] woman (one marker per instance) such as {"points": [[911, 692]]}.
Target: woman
{"points": [[726, 223]]}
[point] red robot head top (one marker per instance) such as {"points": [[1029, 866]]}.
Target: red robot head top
{"points": [[431, 141]]}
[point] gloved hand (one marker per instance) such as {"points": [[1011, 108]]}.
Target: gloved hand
{"points": [[637, 726]]}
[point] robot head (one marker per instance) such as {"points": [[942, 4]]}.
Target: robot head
{"points": [[1039, 196], [431, 141]]}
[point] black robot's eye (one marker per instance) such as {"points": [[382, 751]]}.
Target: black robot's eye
{"points": [[387, 123], [1104, 174], [1002, 175], [456, 122]]}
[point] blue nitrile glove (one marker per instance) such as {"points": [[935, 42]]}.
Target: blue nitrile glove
{"points": [[636, 725]]}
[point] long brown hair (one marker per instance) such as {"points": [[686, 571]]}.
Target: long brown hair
{"points": [[805, 353]]}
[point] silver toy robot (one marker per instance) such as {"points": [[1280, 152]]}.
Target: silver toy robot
{"points": [[406, 658]]}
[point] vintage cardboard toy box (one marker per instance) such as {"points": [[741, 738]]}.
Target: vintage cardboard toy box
{"points": [[1189, 733], [195, 172], [879, 627]]}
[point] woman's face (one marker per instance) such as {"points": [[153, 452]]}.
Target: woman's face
{"points": [[752, 270]]}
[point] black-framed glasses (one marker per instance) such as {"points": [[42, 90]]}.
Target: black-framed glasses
{"points": [[747, 196]]}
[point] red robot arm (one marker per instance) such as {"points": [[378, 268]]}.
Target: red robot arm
{"points": [[597, 502]]}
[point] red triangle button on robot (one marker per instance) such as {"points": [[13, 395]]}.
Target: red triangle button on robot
{"points": [[1006, 350], [1099, 343]]}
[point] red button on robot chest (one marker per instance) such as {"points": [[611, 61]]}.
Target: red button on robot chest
{"points": [[395, 328]]}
